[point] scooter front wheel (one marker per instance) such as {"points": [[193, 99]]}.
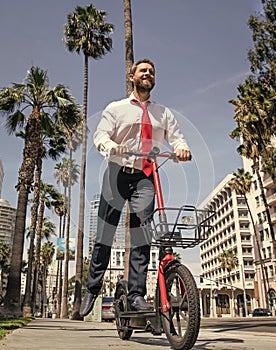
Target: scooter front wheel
{"points": [[181, 323]]}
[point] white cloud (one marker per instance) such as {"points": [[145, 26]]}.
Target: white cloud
{"points": [[219, 83]]}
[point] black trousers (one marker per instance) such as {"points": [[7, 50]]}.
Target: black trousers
{"points": [[118, 187]]}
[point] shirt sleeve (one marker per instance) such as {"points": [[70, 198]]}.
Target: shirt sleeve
{"points": [[104, 132], [173, 134]]}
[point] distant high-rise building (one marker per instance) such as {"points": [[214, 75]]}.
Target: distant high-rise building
{"points": [[7, 222], [1, 177], [119, 238]]}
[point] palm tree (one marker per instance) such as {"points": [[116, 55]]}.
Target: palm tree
{"points": [[255, 103], [86, 31], [46, 106], [67, 173], [254, 131], [241, 184], [47, 253], [54, 143], [48, 197], [229, 261], [129, 59]]}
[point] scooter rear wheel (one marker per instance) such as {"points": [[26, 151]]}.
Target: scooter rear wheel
{"points": [[181, 323], [121, 305]]}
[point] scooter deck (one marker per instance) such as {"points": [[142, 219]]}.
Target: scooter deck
{"points": [[137, 314]]}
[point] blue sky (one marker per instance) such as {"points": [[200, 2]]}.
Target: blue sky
{"points": [[200, 52]]}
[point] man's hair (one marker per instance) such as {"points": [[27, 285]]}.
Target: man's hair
{"points": [[142, 60]]}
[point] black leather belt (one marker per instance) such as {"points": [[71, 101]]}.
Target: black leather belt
{"points": [[128, 170]]}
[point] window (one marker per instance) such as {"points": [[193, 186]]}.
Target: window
{"points": [[269, 252], [257, 200], [118, 260]]}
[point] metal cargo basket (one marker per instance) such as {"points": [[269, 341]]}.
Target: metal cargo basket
{"points": [[183, 227]]}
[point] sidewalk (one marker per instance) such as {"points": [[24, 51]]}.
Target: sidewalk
{"points": [[56, 334]]}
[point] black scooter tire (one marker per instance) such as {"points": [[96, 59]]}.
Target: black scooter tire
{"points": [[182, 322], [121, 302]]}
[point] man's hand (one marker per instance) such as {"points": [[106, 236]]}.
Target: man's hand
{"points": [[183, 155], [120, 149]]}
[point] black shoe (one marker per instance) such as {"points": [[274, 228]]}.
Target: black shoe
{"points": [[87, 303], [139, 304]]}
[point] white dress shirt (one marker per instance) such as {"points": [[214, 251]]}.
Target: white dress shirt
{"points": [[120, 124]]}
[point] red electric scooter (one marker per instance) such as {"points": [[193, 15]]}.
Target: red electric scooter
{"points": [[177, 306]]}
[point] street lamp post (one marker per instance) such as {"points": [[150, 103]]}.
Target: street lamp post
{"points": [[244, 292], [211, 301]]}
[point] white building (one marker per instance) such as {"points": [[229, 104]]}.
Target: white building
{"points": [[222, 292]]}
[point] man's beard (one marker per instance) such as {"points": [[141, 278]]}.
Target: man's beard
{"points": [[140, 86]]}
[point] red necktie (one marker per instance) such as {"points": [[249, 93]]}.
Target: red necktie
{"points": [[146, 135]]}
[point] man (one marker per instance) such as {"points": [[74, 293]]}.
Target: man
{"points": [[137, 124]]}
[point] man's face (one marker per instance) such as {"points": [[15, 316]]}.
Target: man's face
{"points": [[144, 77]]}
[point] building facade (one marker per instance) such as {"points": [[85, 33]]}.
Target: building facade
{"points": [[223, 292]]}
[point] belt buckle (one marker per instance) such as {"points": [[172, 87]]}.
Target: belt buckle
{"points": [[128, 170]]}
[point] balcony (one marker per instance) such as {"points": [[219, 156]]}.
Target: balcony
{"points": [[273, 217], [268, 182], [271, 200]]}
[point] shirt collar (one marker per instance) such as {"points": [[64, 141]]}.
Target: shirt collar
{"points": [[132, 98]]}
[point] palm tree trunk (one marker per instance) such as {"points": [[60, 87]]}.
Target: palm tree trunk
{"points": [[129, 62], [79, 252], [59, 288], [37, 254], [44, 292], [27, 309], [128, 44], [25, 181], [64, 301]]}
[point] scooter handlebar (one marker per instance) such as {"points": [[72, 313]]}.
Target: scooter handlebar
{"points": [[153, 153]]}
